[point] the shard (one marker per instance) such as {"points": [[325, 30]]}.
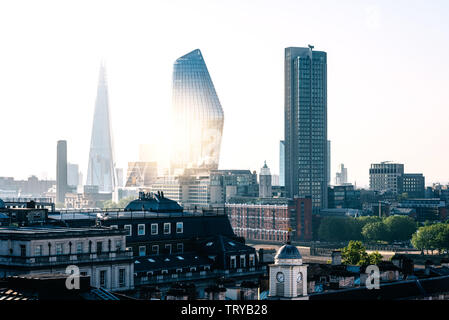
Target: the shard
{"points": [[197, 115], [101, 165]]}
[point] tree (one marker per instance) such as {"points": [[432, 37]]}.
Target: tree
{"points": [[400, 228], [375, 231], [432, 237], [375, 258], [339, 229], [354, 253]]}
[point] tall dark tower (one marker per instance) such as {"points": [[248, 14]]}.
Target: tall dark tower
{"points": [[61, 171], [306, 145]]}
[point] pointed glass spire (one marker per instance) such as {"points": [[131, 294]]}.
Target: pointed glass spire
{"points": [[101, 167]]}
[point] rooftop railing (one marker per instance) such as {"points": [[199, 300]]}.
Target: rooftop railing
{"points": [[65, 258]]}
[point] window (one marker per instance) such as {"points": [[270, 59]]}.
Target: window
{"points": [[103, 278], [179, 227], [168, 248], [233, 262], [121, 278], [141, 229], [142, 251], [180, 247], [59, 249], [38, 250], [118, 245], [242, 261], [79, 248], [252, 260], [154, 228], [99, 247], [167, 228], [23, 250], [155, 249], [128, 228]]}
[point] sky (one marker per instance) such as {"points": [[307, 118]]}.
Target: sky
{"points": [[388, 78]]}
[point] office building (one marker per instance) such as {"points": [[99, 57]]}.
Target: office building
{"points": [[61, 172], [413, 184], [226, 184], [282, 163], [344, 197], [101, 166], [141, 174], [384, 177], [265, 182], [306, 144], [342, 176], [73, 175], [197, 115]]}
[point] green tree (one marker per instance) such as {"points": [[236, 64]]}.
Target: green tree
{"points": [[375, 257], [400, 228], [432, 237], [339, 229], [375, 231], [354, 253]]}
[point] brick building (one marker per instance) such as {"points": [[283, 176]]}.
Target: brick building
{"points": [[271, 219]]}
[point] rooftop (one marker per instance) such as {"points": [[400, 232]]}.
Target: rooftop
{"points": [[154, 202]]}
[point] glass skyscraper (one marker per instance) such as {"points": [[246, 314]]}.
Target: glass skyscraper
{"points": [[197, 115], [306, 147], [101, 167], [282, 163]]}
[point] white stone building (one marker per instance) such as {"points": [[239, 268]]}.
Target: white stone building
{"points": [[97, 252]]}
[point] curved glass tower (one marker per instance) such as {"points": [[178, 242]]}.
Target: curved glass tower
{"points": [[197, 115], [101, 165]]}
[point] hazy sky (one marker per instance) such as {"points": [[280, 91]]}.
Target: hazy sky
{"points": [[388, 77]]}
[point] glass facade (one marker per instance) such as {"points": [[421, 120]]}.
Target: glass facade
{"points": [[306, 144], [282, 163], [197, 115], [101, 165]]}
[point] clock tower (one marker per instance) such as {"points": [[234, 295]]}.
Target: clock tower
{"points": [[288, 276]]}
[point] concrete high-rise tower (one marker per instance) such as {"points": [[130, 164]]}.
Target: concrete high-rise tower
{"points": [[61, 171], [101, 167], [306, 146], [265, 189], [197, 115]]}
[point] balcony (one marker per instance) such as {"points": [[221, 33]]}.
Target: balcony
{"points": [[65, 259]]}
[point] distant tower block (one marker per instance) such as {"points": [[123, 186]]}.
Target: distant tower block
{"points": [[265, 182], [197, 115], [101, 167], [61, 171]]}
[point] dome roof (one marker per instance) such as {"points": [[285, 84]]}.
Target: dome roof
{"points": [[155, 202], [2, 204], [288, 251]]}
